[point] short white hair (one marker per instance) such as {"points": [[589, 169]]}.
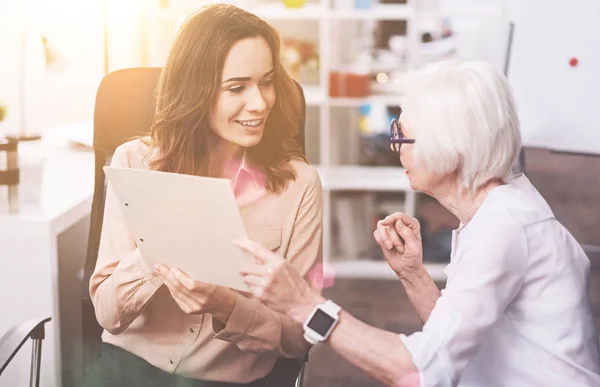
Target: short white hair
{"points": [[465, 120]]}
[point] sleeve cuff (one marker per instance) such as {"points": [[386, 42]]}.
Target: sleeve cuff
{"points": [[239, 323], [429, 347], [138, 283], [410, 347], [147, 273]]}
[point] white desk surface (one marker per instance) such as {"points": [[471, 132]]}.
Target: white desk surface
{"points": [[29, 240], [66, 193]]}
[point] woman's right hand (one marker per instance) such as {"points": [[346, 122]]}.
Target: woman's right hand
{"points": [[399, 237]]}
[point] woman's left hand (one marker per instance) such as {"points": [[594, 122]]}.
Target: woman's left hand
{"points": [[276, 283], [194, 297]]}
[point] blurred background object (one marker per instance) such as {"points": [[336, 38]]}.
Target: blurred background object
{"points": [[301, 59], [9, 176], [3, 114], [53, 62]]}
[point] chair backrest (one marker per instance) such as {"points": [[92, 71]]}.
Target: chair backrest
{"points": [[125, 109]]}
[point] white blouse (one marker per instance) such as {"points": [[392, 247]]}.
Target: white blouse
{"points": [[516, 308]]}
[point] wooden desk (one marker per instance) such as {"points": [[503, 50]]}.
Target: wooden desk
{"points": [[42, 251]]}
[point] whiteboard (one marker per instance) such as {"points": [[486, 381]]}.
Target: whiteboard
{"points": [[185, 222], [558, 104]]}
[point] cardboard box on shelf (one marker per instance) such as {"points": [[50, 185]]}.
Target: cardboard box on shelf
{"points": [[352, 85]]}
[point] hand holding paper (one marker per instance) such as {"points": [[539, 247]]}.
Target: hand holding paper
{"points": [[195, 297], [183, 222]]}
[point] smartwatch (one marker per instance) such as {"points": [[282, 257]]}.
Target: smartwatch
{"points": [[320, 323]]}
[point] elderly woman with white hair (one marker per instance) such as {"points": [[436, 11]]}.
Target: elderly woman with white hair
{"points": [[515, 310]]}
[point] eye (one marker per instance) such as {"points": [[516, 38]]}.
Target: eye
{"points": [[237, 89]]}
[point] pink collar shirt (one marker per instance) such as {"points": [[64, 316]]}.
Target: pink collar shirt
{"points": [[248, 180]]}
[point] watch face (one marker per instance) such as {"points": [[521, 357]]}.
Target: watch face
{"points": [[320, 322]]}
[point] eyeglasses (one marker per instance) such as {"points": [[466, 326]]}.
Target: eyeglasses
{"points": [[397, 137]]}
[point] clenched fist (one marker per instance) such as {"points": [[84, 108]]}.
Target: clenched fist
{"points": [[399, 237]]}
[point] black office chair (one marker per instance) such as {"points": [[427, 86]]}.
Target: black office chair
{"points": [[124, 109], [12, 341]]}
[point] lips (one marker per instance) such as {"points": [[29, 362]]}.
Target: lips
{"points": [[252, 127], [251, 123]]}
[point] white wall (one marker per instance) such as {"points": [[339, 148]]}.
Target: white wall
{"points": [[75, 27], [558, 101], [482, 27]]}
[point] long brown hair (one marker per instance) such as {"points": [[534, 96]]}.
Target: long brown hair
{"points": [[188, 86]]}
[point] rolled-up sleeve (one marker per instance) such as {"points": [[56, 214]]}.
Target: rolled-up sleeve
{"points": [[488, 277], [254, 327], [122, 283]]}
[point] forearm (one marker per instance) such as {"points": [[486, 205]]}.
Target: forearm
{"points": [[225, 300], [120, 290], [422, 292], [378, 353], [256, 328]]}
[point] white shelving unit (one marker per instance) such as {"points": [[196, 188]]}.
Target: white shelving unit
{"points": [[345, 178], [317, 96], [365, 268], [312, 11], [280, 12], [359, 178], [377, 12]]}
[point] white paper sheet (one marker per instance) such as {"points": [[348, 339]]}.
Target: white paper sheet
{"points": [[185, 222]]}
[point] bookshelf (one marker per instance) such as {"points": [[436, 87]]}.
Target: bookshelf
{"points": [[326, 20]]}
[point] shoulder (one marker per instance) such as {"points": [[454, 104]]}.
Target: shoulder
{"points": [[306, 174], [498, 239], [496, 225], [520, 202], [508, 212], [132, 154]]}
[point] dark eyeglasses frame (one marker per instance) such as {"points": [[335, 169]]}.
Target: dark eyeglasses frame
{"points": [[397, 138]]}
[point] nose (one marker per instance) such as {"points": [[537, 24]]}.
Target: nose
{"points": [[256, 102]]}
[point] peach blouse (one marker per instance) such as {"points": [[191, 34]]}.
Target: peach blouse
{"points": [[139, 315]]}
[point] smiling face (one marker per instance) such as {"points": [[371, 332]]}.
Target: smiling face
{"points": [[245, 95]]}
